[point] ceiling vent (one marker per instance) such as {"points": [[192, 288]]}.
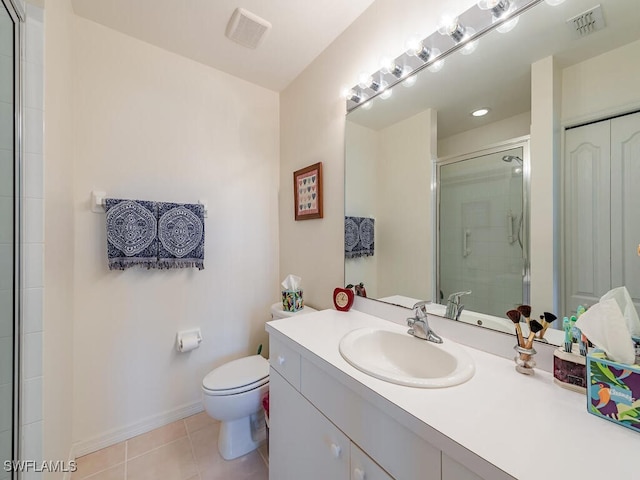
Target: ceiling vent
{"points": [[587, 22], [247, 29]]}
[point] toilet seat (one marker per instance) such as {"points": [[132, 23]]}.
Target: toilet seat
{"points": [[237, 376]]}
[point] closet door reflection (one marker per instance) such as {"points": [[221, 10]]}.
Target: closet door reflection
{"points": [[481, 225], [7, 135]]}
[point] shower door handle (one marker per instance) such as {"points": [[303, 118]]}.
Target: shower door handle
{"points": [[465, 243], [510, 237]]}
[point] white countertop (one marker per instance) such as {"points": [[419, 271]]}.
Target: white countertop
{"points": [[526, 426]]}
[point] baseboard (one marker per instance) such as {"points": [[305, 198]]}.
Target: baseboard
{"points": [[120, 434]]}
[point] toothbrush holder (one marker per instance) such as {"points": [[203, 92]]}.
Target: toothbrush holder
{"points": [[524, 360]]}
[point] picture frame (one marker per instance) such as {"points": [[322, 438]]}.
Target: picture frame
{"points": [[307, 192]]}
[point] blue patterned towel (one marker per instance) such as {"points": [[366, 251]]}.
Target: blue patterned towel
{"points": [[358, 237], [181, 235], [132, 239]]}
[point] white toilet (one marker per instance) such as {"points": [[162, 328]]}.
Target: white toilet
{"points": [[233, 392]]}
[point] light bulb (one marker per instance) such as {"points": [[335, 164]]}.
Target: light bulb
{"points": [[508, 25], [450, 26], [481, 112], [438, 64], [410, 81], [413, 45], [416, 48], [365, 80], [470, 47], [448, 23], [355, 96], [388, 65], [497, 7]]}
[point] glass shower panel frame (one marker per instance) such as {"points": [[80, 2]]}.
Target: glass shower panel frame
{"points": [[15, 15], [479, 211]]}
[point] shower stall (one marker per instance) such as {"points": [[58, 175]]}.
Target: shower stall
{"points": [[482, 229], [10, 159]]}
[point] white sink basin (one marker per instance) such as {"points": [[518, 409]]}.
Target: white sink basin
{"points": [[405, 360]]}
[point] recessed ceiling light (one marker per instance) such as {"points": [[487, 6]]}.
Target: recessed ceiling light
{"points": [[481, 112]]}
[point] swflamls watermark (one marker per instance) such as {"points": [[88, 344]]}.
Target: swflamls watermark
{"points": [[40, 466]]}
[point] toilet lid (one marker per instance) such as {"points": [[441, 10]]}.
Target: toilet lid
{"points": [[237, 373]]}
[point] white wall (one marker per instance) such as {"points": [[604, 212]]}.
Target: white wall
{"points": [[59, 249], [361, 200], [544, 196], [149, 124], [405, 239], [602, 86], [312, 130], [485, 136]]}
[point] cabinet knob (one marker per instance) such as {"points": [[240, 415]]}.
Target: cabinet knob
{"points": [[358, 474], [336, 450], [281, 360]]}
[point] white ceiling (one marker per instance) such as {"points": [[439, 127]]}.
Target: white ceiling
{"points": [[195, 29]]}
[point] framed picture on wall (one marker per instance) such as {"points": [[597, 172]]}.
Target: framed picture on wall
{"points": [[307, 192]]}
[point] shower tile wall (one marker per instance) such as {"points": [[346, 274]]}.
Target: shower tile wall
{"points": [[33, 236], [492, 269]]}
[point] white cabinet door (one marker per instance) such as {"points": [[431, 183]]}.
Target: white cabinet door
{"points": [[625, 204], [364, 468], [303, 444], [602, 199], [587, 228]]}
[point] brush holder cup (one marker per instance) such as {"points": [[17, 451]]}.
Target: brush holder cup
{"points": [[524, 360]]}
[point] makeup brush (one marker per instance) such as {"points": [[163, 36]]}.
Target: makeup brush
{"points": [[547, 319], [514, 316], [535, 327], [525, 310]]}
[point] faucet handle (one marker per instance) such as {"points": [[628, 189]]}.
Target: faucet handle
{"points": [[455, 297], [420, 309]]}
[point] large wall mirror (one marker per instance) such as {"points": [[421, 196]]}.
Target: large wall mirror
{"points": [[448, 191]]}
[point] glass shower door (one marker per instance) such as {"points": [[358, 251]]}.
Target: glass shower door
{"points": [[8, 100], [481, 244]]}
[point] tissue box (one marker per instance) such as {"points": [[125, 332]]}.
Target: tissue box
{"points": [[613, 390], [292, 300]]}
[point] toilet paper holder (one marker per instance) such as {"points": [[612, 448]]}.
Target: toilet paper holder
{"points": [[187, 340]]}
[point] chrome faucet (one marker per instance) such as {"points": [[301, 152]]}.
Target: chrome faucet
{"points": [[420, 325], [454, 308]]}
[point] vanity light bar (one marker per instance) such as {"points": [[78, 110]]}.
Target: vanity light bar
{"points": [[469, 26]]}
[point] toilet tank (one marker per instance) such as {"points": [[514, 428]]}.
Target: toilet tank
{"points": [[278, 312]]}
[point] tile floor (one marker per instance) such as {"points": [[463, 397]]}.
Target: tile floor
{"points": [[183, 450]]}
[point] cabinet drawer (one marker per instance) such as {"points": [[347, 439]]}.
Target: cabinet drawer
{"points": [[303, 444], [398, 450], [285, 361], [363, 468]]}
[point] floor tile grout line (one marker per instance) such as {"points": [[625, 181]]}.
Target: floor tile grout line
{"points": [[158, 447], [193, 452], [126, 458]]}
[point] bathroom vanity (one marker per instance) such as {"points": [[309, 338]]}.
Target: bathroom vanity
{"points": [[329, 420]]}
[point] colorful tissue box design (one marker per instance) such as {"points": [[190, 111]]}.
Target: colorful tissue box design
{"points": [[292, 300], [613, 390]]}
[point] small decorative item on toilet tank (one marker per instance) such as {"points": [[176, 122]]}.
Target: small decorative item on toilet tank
{"points": [[292, 300]]}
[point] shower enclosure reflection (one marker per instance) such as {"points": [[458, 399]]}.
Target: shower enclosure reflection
{"points": [[481, 219]]}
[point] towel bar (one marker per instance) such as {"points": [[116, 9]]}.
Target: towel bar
{"points": [[98, 202]]}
